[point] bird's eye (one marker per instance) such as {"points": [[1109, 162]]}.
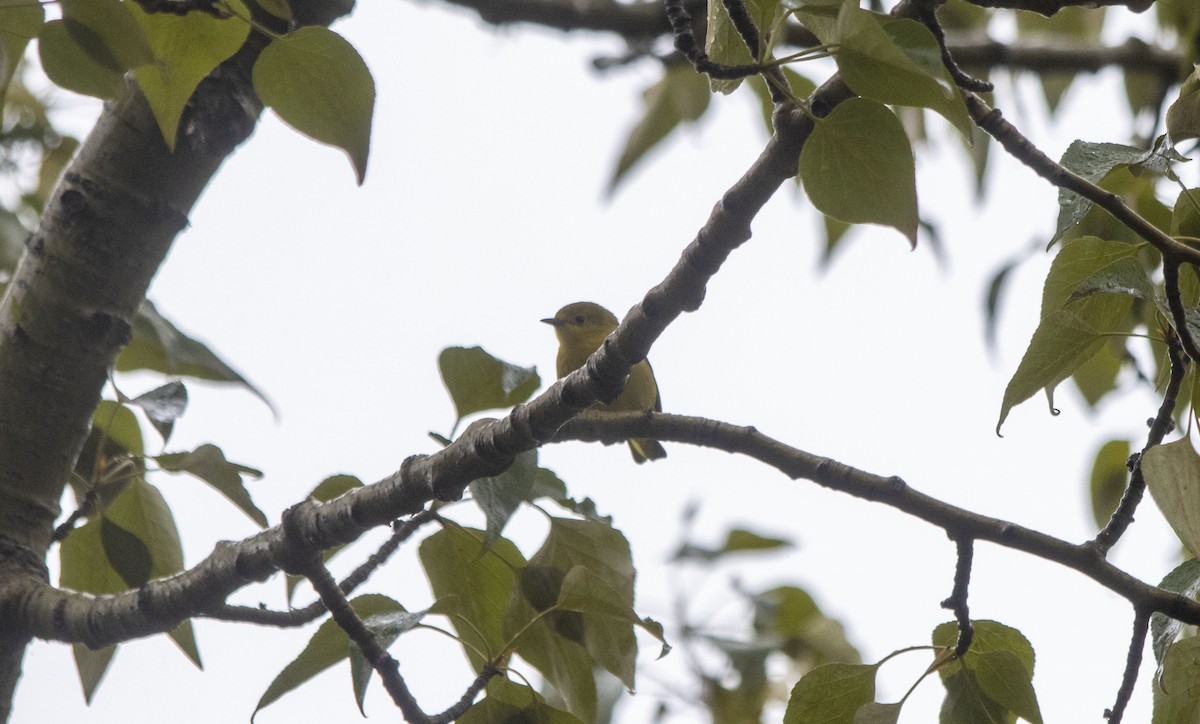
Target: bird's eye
{"points": [[579, 319]]}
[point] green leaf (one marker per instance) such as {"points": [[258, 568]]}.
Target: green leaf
{"points": [[562, 645], [892, 60], [1185, 217], [1172, 473], [1125, 275], [1083, 263], [1191, 317], [875, 713], [1094, 161], [163, 405], [186, 48], [387, 627], [819, 16], [680, 96], [585, 508], [184, 637], [1069, 27], [737, 540], [208, 463], [281, 9], [1098, 376], [1142, 91], [1070, 332], [724, 44], [142, 512], [141, 542], [92, 665], [500, 496], [119, 425], [1177, 692], [785, 611], [507, 702], [130, 557], [20, 22], [84, 565], [334, 487], [962, 15], [478, 381], [111, 457], [158, 345], [608, 618], [857, 149], [54, 162], [1109, 476], [913, 76], [831, 694], [788, 616], [69, 66], [329, 645], [799, 86], [1006, 681], [999, 655], [548, 485], [1183, 115], [1184, 580], [835, 231], [472, 583], [740, 539], [965, 702], [107, 32], [318, 84], [989, 636], [1179, 16], [745, 700]]}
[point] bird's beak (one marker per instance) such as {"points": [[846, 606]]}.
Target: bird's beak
{"points": [[553, 322]]}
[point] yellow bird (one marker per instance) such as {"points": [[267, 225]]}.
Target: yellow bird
{"points": [[581, 328]]}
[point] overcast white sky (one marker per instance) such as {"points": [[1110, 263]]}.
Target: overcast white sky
{"points": [[484, 211]]}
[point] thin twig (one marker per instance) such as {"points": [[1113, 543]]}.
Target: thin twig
{"points": [[306, 561], [927, 15], [751, 35], [685, 42], [1050, 7], [1133, 662], [307, 614], [1171, 264], [215, 8], [991, 120], [1173, 251], [1122, 517], [957, 601]]}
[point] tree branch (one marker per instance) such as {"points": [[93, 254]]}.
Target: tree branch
{"points": [[957, 601], [1133, 54], [1122, 517], [70, 305], [641, 21], [1173, 252], [307, 614], [1133, 662], [1050, 7], [305, 559], [958, 523], [991, 120]]}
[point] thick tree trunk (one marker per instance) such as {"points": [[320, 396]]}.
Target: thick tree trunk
{"points": [[70, 306]]}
